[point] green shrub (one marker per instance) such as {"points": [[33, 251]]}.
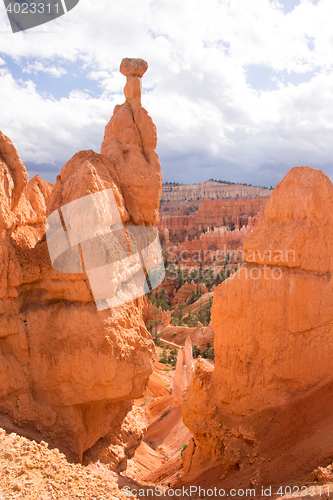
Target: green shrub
{"points": [[209, 353], [196, 352], [164, 357], [183, 447]]}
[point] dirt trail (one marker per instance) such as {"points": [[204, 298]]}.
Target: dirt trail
{"points": [[170, 343]]}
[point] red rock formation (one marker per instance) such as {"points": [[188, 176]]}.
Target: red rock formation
{"points": [[209, 248], [130, 144], [151, 313], [117, 447], [177, 335], [68, 373], [166, 237], [185, 291], [212, 214], [264, 415]]}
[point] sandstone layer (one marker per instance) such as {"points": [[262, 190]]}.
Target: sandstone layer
{"points": [[210, 215], [154, 315], [264, 415], [185, 292], [68, 372], [210, 189], [176, 336], [130, 144]]}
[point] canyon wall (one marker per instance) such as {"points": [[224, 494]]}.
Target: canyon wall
{"points": [[210, 189], [207, 246], [185, 292], [211, 246], [212, 214], [264, 415], [68, 372], [154, 315]]}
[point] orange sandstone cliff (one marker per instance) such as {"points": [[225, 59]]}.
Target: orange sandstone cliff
{"points": [[264, 414], [69, 373]]}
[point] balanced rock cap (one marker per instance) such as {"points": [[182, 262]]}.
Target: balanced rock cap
{"points": [[130, 66]]}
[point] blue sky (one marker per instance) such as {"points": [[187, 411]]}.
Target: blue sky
{"points": [[241, 91]]}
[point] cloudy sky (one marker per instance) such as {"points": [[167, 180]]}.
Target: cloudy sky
{"points": [[239, 90]]}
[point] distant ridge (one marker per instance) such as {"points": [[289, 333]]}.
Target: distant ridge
{"points": [[212, 189], [214, 180]]}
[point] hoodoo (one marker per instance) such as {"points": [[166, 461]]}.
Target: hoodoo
{"points": [[68, 372], [264, 415]]}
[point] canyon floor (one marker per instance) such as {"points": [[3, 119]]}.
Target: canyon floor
{"points": [[29, 470]]}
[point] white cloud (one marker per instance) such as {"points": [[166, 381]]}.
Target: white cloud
{"points": [[37, 67], [195, 88], [49, 131]]}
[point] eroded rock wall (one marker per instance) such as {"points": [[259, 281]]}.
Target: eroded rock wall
{"points": [[212, 214], [264, 415], [69, 373], [210, 189]]}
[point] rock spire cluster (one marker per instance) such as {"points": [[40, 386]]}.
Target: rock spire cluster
{"points": [[264, 415], [69, 373]]}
